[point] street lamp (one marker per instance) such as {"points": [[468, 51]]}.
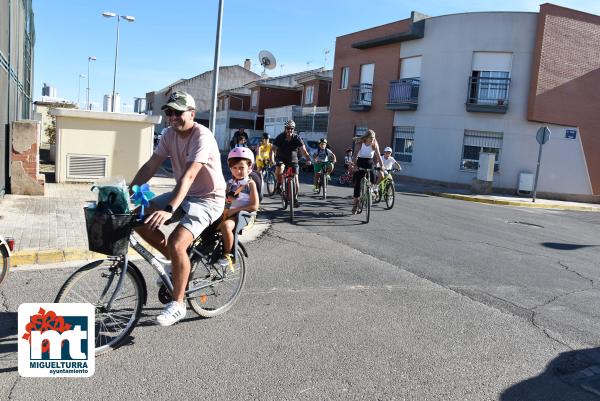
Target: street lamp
{"points": [[88, 105], [127, 18], [79, 90]]}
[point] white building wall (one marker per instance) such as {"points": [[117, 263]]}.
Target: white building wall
{"points": [[441, 119]]}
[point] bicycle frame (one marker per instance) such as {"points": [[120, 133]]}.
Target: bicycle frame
{"points": [[244, 219]]}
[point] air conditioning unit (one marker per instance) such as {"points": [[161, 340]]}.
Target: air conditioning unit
{"points": [[86, 167], [525, 184]]}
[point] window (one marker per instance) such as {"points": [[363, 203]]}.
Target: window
{"points": [[308, 95], [254, 99], [345, 77], [404, 138], [489, 87], [360, 130], [476, 142]]}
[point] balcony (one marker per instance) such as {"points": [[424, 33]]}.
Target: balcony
{"points": [[403, 94], [362, 96], [488, 95]]}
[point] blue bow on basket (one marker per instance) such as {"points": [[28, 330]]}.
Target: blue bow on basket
{"points": [[141, 196]]}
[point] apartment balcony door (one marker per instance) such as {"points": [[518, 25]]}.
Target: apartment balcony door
{"points": [[367, 71]]}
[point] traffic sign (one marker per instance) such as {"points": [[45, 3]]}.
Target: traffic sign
{"points": [[543, 135]]}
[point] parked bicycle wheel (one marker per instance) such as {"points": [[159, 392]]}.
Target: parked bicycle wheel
{"points": [[96, 283], [5, 264], [269, 179], [218, 288], [390, 195]]}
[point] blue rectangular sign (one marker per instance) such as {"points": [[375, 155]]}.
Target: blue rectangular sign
{"points": [[571, 133]]}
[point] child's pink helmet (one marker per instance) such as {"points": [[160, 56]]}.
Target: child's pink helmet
{"points": [[241, 152]]}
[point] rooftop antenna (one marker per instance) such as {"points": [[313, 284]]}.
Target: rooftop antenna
{"points": [[325, 52], [267, 60], [281, 69]]}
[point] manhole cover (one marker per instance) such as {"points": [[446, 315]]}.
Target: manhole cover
{"points": [[525, 224]]}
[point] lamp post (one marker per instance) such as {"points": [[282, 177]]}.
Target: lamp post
{"points": [[127, 18], [215, 80], [79, 90], [88, 106]]}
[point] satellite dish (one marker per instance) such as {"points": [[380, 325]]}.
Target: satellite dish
{"points": [[267, 60]]}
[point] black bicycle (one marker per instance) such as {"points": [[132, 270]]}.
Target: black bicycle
{"points": [[289, 190], [268, 178], [7, 246]]}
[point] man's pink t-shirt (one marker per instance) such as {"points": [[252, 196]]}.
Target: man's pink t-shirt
{"points": [[200, 146]]}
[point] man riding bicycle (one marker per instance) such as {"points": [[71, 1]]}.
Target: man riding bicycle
{"points": [[284, 152], [196, 201]]}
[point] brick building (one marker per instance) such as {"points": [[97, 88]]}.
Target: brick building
{"points": [[442, 90]]}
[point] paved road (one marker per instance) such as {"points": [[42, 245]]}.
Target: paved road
{"points": [[434, 300]]}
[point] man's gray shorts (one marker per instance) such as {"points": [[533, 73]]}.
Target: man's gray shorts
{"points": [[194, 213]]}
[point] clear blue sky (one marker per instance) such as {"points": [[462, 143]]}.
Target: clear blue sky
{"points": [[174, 39]]}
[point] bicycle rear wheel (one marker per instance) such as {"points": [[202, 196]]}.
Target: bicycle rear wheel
{"points": [[95, 283], [390, 195], [5, 264], [270, 182], [218, 287]]}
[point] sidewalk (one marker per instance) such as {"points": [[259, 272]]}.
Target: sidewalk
{"points": [[51, 228], [494, 199]]}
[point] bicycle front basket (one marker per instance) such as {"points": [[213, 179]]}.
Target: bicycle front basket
{"points": [[108, 233]]}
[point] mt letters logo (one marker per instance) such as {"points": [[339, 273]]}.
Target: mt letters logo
{"points": [[56, 340]]}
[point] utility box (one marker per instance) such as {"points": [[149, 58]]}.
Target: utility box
{"points": [[485, 172], [525, 184]]}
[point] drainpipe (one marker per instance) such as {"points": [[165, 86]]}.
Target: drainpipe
{"points": [[7, 127]]}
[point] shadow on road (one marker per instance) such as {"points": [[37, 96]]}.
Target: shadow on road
{"points": [[565, 247], [557, 383]]}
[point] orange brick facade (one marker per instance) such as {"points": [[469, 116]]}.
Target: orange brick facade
{"points": [[565, 85]]}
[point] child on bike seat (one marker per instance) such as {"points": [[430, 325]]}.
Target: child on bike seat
{"points": [[324, 159], [241, 195]]}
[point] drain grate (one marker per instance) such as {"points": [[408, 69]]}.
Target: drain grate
{"points": [[525, 224]]}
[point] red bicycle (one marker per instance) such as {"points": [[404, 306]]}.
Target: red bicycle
{"points": [[289, 190]]}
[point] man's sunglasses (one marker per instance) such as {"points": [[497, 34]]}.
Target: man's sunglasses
{"points": [[289, 128], [171, 112]]}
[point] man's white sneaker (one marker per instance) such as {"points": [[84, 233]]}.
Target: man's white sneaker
{"points": [[171, 314]]}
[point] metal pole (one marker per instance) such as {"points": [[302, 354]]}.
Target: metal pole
{"points": [[87, 105], [112, 105], [537, 171], [215, 83]]}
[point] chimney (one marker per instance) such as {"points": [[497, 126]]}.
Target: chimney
{"points": [[247, 64]]}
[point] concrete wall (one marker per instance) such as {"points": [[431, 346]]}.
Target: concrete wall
{"points": [[25, 166], [441, 119], [126, 139]]}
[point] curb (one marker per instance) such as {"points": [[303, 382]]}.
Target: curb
{"points": [[50, 256], [555, 206]]}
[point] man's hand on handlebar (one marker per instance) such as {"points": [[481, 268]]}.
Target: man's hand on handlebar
{"points": [[158, 218]]}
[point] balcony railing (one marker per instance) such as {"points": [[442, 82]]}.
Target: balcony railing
{"points": [[403, 94], [362, 96], [488, 94]]}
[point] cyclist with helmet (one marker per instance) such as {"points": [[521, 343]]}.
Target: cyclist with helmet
{"points": [[196, 201], [389, 163], [241, 195], [285, 152], [263, 156], [324, 159], [369, 149]]}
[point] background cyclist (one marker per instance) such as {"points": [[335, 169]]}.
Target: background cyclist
{"points": [[285, 152], [263, 156], [324, 159], [389, 163], [364, 159]]}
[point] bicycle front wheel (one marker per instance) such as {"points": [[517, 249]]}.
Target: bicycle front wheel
{"points": [[324, 183], [213, 288], [292, 185], [368, 204], [390, 195], [270, 182], [5, 264], [95, 283]]}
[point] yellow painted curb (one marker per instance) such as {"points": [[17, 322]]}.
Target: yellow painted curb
{"points": [[516, 203], [23, 258]]}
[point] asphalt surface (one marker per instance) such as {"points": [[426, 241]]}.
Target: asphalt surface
{"points": [[436, 299]]}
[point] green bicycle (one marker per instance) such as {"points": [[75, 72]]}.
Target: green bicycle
{"points": [[386, 190]]}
